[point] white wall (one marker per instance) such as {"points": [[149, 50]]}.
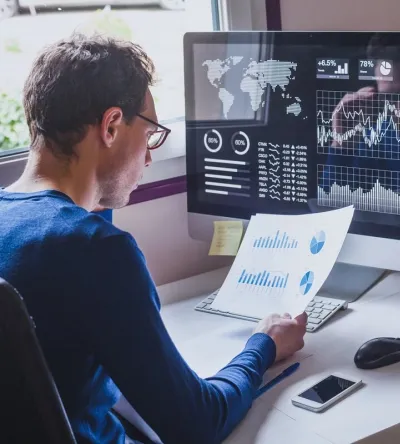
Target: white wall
{"points": [[160, 228], [340, 15]]}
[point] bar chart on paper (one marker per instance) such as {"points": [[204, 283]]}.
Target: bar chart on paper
{"points": [[263, 280], [277, 241]]}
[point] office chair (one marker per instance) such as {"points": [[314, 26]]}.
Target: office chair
{"points": [[32, 410]]}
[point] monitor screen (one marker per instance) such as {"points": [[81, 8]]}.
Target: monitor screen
{"points": [[293, 123]]}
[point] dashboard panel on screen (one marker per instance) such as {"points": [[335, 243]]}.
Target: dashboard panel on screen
{"points": [[293, 123]]}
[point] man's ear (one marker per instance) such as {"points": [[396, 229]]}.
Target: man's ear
{"points": [[110, 125]]}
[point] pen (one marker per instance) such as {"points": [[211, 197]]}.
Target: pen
{"points": [[287, 372]]}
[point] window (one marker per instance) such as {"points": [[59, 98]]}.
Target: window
{"points": [[158, 25]]}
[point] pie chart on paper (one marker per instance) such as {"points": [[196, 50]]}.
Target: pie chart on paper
{"points": [[317, 242], [306, 282]]}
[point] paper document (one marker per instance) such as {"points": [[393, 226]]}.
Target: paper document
{"points": [[283, 262], [227, 237]]}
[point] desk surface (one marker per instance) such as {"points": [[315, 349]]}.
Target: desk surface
{"points": [[208, 342]]}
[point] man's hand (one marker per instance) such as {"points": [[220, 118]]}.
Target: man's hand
{"points": [[287, 333]]}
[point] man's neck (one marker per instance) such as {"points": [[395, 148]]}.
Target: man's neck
{"points": [[32, 185], [47, 173]]}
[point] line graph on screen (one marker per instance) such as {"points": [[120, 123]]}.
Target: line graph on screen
{"points": [[368, 126]]}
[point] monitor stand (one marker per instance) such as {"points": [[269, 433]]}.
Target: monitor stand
{"points": [[350, 282]]}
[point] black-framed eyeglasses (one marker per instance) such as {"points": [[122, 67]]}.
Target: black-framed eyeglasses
{"points": [[157, 137]]}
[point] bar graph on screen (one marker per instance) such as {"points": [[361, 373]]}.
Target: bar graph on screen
{"points": [[263, 281], [277, 241], [367, 189]]}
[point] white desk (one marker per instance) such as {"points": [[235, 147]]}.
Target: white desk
{"points": [[208, 342]]}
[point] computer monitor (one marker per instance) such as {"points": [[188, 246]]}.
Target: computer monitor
{"points": [[295, 123]]}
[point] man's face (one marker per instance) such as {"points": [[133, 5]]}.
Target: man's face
{"points": [[125, 162]]}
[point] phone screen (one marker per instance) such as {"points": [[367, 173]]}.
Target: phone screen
{"points": [[327, 389]]}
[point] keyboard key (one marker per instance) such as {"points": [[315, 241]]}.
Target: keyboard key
{"points": [[328, 306], [202, 305], [319, 305], [324, 314], [314, 315], [311, 304], [314, 320]]}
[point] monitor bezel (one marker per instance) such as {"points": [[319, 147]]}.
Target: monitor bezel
{"points": [[348, 38]]}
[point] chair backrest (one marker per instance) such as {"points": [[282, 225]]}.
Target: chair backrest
{"points": [[31, 408]]}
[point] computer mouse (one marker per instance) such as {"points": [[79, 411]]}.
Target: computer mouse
{"points": [[377, 353]]}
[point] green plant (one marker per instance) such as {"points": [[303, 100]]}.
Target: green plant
{"points": [[106, 22], [12, 45], [13, 128]]}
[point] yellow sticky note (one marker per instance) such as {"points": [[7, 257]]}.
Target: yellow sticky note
{"points": [[226, 239]]}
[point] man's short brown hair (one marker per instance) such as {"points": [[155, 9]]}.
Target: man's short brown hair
{"points": [[74, 81]]}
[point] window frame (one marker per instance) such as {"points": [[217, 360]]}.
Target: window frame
{"points": [[169, 162], [239, 15]]}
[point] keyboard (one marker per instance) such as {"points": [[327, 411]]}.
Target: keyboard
{"points": [[319, 310]]}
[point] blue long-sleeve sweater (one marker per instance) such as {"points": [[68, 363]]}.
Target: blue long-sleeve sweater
{"points": [[98, 321]]}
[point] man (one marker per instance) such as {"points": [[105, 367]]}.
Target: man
{"points": [[92, 123]]}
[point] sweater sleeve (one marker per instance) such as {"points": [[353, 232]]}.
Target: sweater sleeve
{"points": [[127, 335]]}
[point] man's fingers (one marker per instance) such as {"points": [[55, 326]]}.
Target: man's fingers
{"points": [[302, 318], [301, 344]]}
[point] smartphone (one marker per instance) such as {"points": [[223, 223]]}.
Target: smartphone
{"points": [[326, 392]]}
